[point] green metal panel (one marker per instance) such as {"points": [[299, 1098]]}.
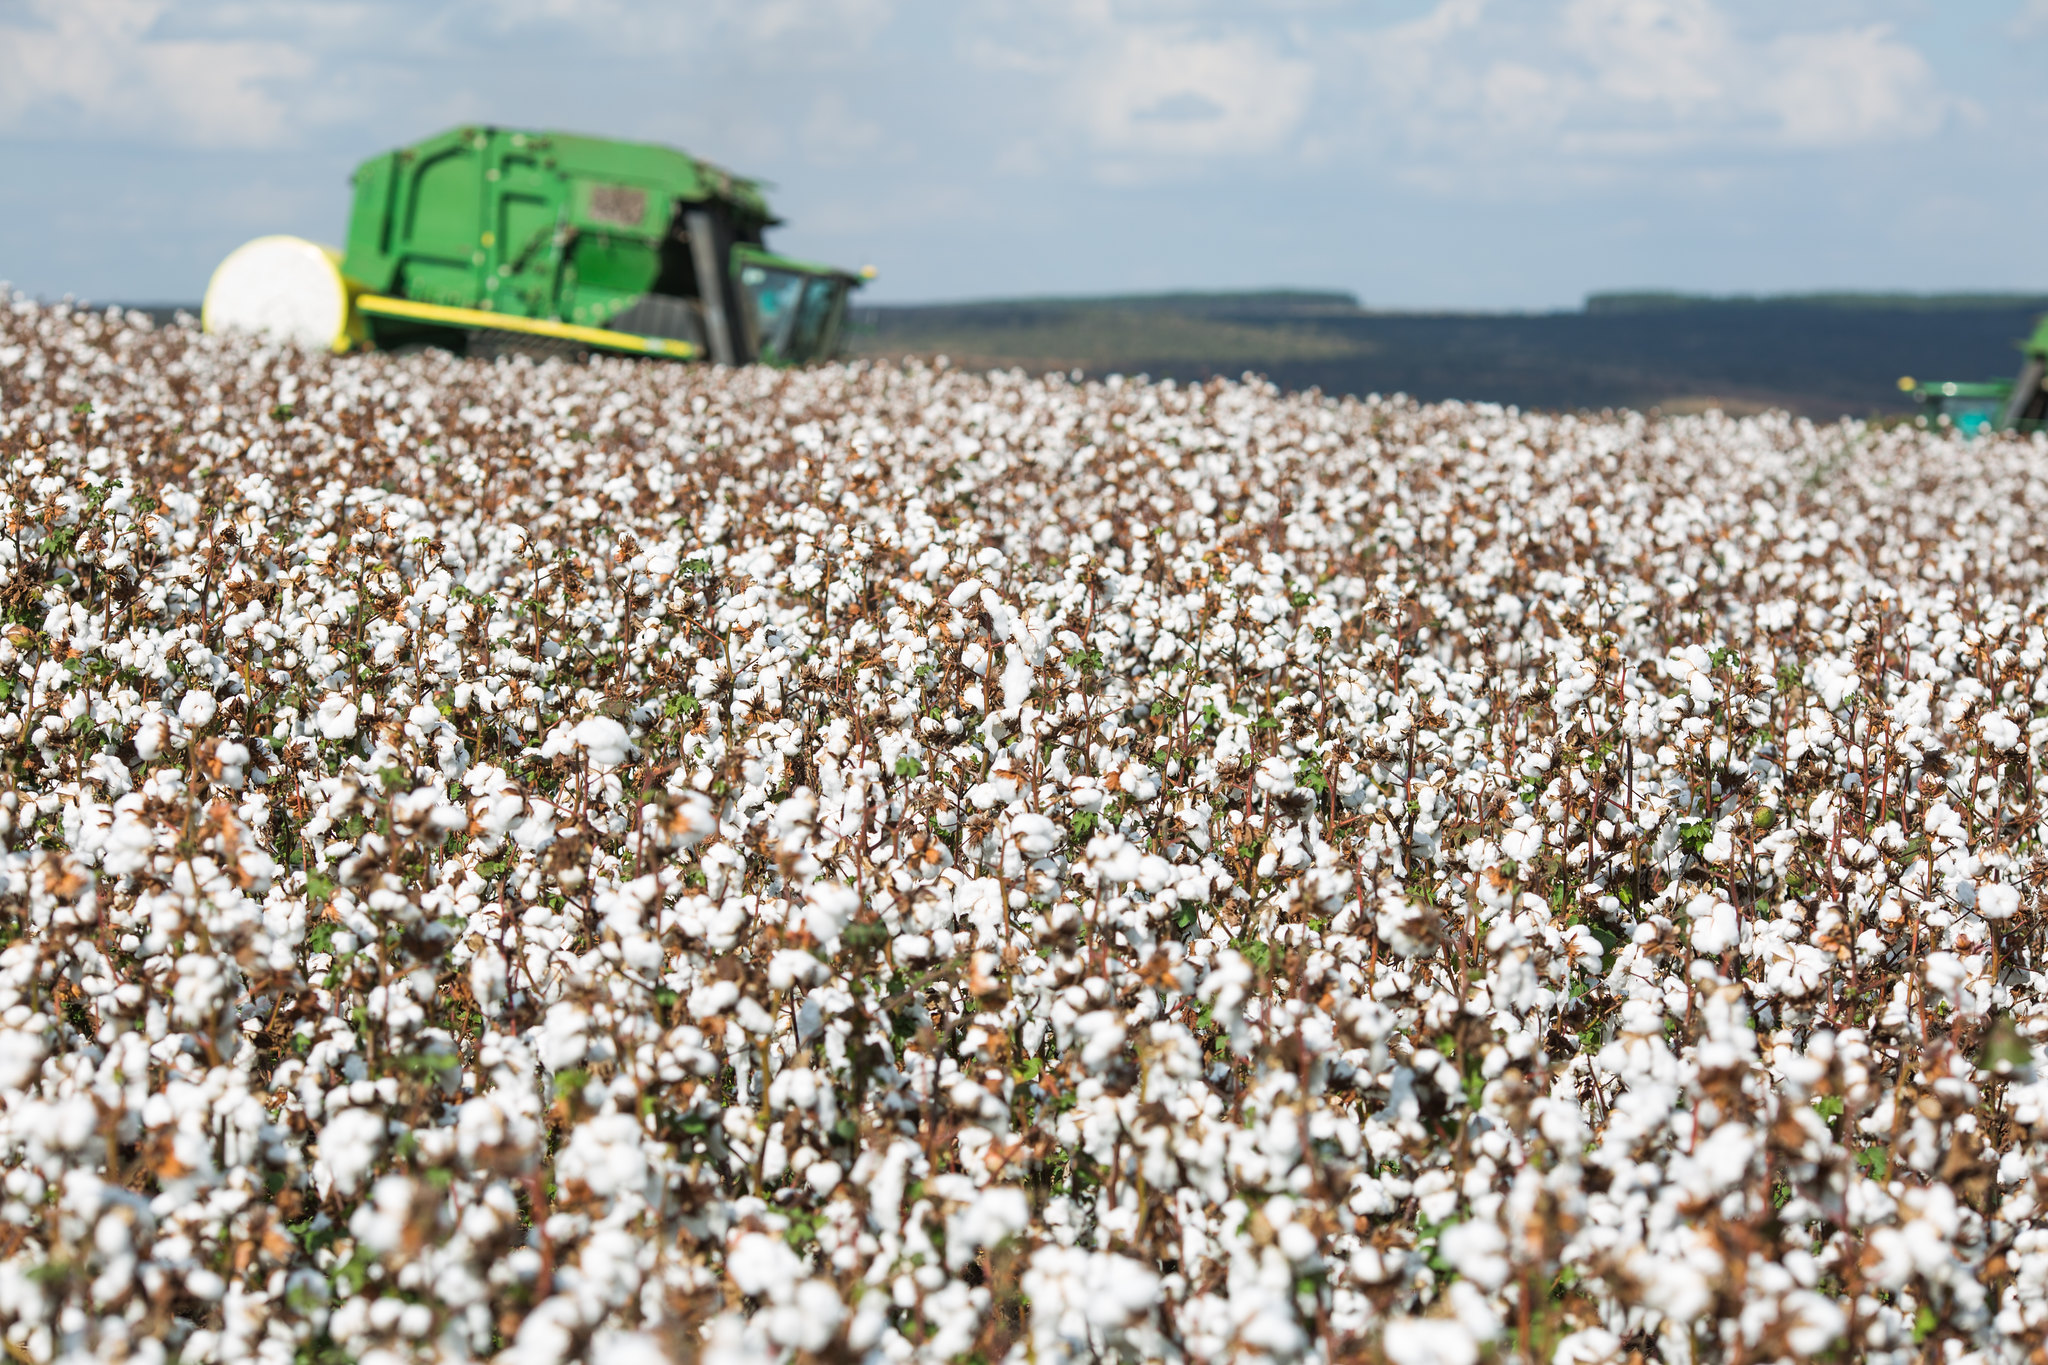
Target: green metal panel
{"points": [[370, 261]]}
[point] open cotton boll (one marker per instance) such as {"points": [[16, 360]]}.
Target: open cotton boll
{"points": [[1997, 900], [828, 908], [763, 1266], [1475, 1249], [1429, 1341], [336, 718], [1714, 926], [196, 710], [1114, 859], [604, 741], [152, 735], [1139, 782], [1999, 731], [350, 1143], [627, 1348], [1589, 1346]]}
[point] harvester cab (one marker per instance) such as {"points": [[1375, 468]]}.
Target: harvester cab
{"points": [[486, 240], [2018, 404]]}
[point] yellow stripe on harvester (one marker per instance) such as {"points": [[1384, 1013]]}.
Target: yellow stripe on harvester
{"points": [[383, 306]]}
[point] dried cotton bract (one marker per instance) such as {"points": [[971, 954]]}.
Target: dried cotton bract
{"points": [[632, 863]]}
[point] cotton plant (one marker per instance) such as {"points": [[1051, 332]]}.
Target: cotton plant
{"points": [[629, 862]]}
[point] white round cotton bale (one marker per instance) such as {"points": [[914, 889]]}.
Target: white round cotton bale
{"points": [[284, 288]]}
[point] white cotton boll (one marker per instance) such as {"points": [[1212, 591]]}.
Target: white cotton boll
{"points": [[196, 709], [604, 741], [1115, 858], [1590, 1346], [1016, 677], [485, 779], [1715, 928], [1816, 1322], [1834, 678], [1139, 782], [1429, 1341], [1275, 776], [349, 1144], [564, 1036], [336, 718], [152, 735], [789, 968], [1997, 900], [763, 1266], [1475, 1311], [487, 976], [627, 1348], [1999, 731], [711, 999], [1071, 1290], [1672, 1287], [604, 1154], [110, 773], [1297, 1243], [1103, 1036], [380, 1223], [1036, 836], [807, 1318], [1476, 1249], [749, 1014], [198, 990], [21, 1056], [234, 760], [1520, 845], [1406, 926], [828, 908], [994, 1216]]}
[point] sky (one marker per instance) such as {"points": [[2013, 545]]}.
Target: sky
{"points": [[1461, 154]]}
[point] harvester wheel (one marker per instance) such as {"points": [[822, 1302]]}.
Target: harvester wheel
{"points": [[285, 288]]}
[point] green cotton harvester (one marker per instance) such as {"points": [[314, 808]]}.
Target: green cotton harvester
{"points": [[488, 241], [1971, 406]]}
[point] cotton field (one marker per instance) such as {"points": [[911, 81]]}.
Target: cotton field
{"points": [[627, 862]]}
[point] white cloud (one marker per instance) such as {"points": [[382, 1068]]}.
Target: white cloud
{"points": [[1154, 91], [1572, 88], [1673, 53], [102, 66], [1849, 86], [810, 32]]}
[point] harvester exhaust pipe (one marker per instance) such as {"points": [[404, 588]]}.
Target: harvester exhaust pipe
{"points": [[710, 244]]}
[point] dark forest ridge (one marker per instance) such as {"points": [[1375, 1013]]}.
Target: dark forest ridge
{"points": [[1821, 355]]}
